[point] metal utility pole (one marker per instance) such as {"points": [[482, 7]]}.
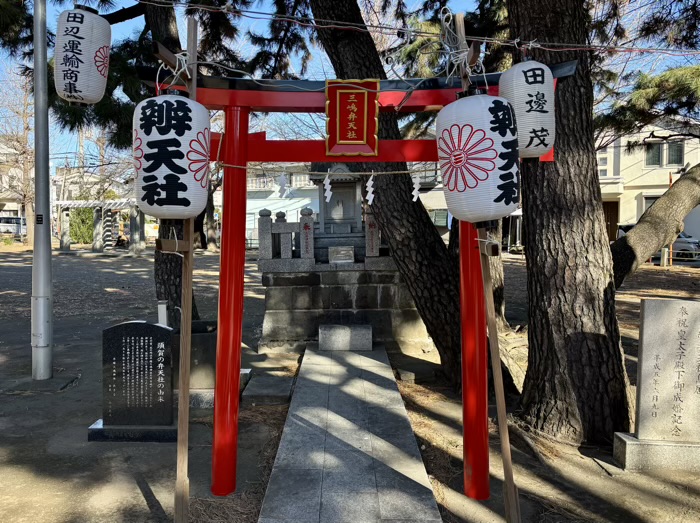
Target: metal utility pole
{"points": [[42, 299]]}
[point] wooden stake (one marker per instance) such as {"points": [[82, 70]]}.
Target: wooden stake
{"points": [[510, 491], [182, 481]]}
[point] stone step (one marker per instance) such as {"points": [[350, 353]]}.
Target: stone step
{"points": [[345, 337], [267, 389]]}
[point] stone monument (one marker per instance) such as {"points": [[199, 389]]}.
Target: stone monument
{"points": [[137, 390], [667, 433]]}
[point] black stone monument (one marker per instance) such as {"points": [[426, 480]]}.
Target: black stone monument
{"points": [[137, 389]]}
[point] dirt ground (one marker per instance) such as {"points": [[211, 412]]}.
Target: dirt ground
{"points": [[557, 483], [48, 472]]}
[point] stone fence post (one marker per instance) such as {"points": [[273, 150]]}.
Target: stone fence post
{"points": [[97, 243], [306, 233], [284, 240], [135, 229], [371, 236], [65, 230], [265, 235]]}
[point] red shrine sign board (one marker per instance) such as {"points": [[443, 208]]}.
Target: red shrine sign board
{"points": [[352, 107]]}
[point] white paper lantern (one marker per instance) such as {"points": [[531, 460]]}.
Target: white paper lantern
{"points": [[81, 60], [529, 87], [477, 142], [171, 156]]}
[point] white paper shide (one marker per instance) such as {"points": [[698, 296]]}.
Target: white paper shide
{"points": [[171, 156], [477, 142], [529, 87], [81, 59]]}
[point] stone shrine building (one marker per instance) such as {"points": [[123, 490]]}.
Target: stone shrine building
{"points": [[332, 267]]}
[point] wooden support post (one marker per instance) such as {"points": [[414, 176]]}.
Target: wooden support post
{"points": [[510, 491], [182, 481]]}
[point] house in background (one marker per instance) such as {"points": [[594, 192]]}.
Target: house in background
{"points": [[10, 203], [632, 180]]}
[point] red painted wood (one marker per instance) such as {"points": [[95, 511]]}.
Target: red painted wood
{"points": [[315, 151], [230, 325], [474, 365], [315, 102]]}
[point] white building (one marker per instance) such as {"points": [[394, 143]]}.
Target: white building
{"points": [[632, 179]]}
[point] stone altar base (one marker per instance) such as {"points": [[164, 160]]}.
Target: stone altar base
{"points": [[297, 304], [144, 433], [650, 455]]}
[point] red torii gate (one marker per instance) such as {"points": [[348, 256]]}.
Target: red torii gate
{"points": [[238, 98]]}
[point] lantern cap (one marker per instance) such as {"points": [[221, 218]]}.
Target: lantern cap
{"points": [[87, 8]]}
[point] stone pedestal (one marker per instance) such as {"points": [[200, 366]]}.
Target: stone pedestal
{"points": [[297, 303], [635, 454]]}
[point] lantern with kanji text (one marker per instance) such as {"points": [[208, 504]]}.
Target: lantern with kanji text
{"points": [[529, 87], [171, 156], [477, 142], [81, 58]]}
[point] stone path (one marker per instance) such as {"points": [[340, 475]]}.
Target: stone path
{"points": [[348, 453]]}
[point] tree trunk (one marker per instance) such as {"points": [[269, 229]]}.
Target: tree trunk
{"points": [[658, 226], [497, 277], [211, 223], [417, 248], [163, 25], [200, 239], [30, 218], [576, 388], [167, 268]]}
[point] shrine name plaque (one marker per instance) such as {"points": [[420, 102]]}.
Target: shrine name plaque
{"points": [[137, 374], [352, 108]]}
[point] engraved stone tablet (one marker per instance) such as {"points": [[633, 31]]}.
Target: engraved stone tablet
{"points": [[137, 374], [668, 373], [341, 254]]}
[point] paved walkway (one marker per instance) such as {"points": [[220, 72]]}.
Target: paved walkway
{"points": [[348, 454]]}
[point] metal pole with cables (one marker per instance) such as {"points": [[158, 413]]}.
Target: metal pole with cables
{"points": [[42, 299]]}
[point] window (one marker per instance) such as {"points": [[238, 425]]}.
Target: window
{"points": [[653, 155], [649, 201], [603, 161], [603, 150], [602, 172], [675, 153]]}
